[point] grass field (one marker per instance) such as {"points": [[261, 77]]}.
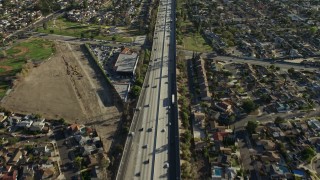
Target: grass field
{"points": [[61, 26], [192, 40], [14, 58], [195, 42]]}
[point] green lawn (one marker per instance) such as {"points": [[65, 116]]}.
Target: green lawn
{"points": [[15, 57], [35, 50], [61, 26], [195, 42], [191, 40]]}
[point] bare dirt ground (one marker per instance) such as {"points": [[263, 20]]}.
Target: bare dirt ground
{"points": [[6, 68], [67, 86]]}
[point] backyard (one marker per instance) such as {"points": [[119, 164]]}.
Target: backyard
{"points": [[62, 26], [13, 59]]}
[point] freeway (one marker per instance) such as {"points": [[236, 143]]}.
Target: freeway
{"points": [[146, 151]]}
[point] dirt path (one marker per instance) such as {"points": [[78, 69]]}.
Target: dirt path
{"points": [[23, 50], [6, 68]]}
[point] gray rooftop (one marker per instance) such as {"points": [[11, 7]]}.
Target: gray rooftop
{"points": [[126, 62]]}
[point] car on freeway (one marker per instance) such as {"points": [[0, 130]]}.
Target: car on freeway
{"points": [[166, 165], [147, 161], [141, 129]]}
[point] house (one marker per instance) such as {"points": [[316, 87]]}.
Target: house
{"points": [[199, 119], [267, 144], [285, 126], [225, 150], [231, 173], [15, 119], [279, 172], [41, 150], [15, 158], [3, 117], [282, 107], [223, 160], [87, 150], [25, 124], [314, 124], [82, 140], [202, 79], [91, 160], [47, 173], [12, 175], [37, 126], [27, 172], [224, 107], [219, 136], [271, 156]]}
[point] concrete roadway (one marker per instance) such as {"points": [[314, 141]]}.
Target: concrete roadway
{"points": [[146, 152], [282, 65]]}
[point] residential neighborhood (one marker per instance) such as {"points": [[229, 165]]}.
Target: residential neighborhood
{"points": [[162, 89], [36, 148], [251, 120], [258, 29]]}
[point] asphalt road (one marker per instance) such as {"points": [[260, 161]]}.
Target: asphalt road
{"points": [[76, 40], [282, 65], [145, 154]]}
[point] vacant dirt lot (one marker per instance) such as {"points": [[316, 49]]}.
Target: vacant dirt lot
{"points": [[67, 86]]}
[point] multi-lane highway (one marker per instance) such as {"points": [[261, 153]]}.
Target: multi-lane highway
{"points": [[146, 153]]}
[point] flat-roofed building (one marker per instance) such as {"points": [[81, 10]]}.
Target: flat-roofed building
{"points": [[126, 63]]}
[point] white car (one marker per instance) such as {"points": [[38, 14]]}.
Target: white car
{"points": [[166, 165]]}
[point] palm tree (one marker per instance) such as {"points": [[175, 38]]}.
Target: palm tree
{"points": [[78, 162]]}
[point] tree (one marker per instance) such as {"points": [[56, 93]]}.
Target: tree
{"points": [[12, 140], [37, 116], [272, 67], [313, 30], [135, 91], [45, 25], [78, 161], [6, 3], [291, 70], [251, 126], [249, 106], [279, 120], [139, 82], [117, 149], [265, 98], [307, 154], [85, 4], [82, 35]]}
